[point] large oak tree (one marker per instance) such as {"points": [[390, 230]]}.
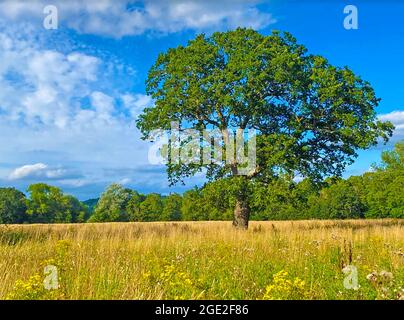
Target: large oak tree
{"points": [[310, 116]]}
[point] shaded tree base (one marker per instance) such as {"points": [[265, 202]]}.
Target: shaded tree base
{"points": [[241, 215]]}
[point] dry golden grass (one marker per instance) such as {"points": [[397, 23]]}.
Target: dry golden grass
{"points": [[204, 260]]}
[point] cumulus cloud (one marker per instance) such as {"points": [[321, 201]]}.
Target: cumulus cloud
{"points": [[39, 171], [136, 103], [57, 108], [42, 87], [27, 170], [132, 17], [397, 118]]}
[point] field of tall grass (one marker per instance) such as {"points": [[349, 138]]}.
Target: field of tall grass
{"points": [[205, 260]]}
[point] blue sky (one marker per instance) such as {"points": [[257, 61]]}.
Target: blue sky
{"points": [[69, 97]]}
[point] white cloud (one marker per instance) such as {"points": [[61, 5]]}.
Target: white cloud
{"points": [[38, 171], [42, 87], [136, 103], [59, 111], [129, 17], [397, 118], [27, 170], [48, 88], [103, 104]]}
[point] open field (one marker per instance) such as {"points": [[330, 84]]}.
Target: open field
{"points": [[204, 260]]}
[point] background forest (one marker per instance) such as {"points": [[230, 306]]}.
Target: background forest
{"points": [[375, 194]]}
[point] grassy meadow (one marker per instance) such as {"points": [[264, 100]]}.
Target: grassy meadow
{"points": [[204, 260]]}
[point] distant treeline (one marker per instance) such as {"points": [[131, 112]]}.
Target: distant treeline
{"points": [[376, 194]]}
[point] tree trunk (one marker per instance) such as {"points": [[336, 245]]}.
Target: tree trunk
{"points": [[241, 214]]}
